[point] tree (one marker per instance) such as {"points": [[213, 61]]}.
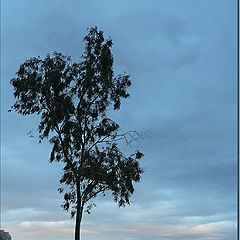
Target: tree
{"points": [[73, 100]]}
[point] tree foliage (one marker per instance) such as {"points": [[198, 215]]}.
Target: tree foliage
{"points": [[72, 100]]}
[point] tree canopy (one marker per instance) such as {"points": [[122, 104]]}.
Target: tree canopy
{"points": [[73, 100]]}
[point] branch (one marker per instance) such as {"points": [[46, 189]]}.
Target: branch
{"points": [[96, 193], [97, 142], [88, 189], [65, 153], [134, 136], [120, 137]]}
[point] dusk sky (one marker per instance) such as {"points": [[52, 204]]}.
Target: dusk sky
{"points": [[182, 58]]}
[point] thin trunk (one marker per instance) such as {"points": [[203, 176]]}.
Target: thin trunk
{"points": [[78, 224], [78, 215]]}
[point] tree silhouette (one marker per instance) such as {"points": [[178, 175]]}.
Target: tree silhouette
{"points": [[72, 100]]}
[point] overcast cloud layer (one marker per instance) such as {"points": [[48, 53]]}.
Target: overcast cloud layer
{"points": [[181, 55]]}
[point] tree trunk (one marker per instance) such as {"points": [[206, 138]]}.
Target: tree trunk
{"points": [[78, 215]]}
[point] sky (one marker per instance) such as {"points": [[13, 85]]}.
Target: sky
{"points": [[182, 59]]}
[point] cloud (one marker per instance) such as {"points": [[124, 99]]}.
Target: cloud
{"points": [[159, 230], [39, 230], [139, 230]]}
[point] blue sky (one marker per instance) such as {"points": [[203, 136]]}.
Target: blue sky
{"points": [[182, 58]]}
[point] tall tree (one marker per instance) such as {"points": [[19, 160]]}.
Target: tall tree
{"points": [[73, 100]]}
